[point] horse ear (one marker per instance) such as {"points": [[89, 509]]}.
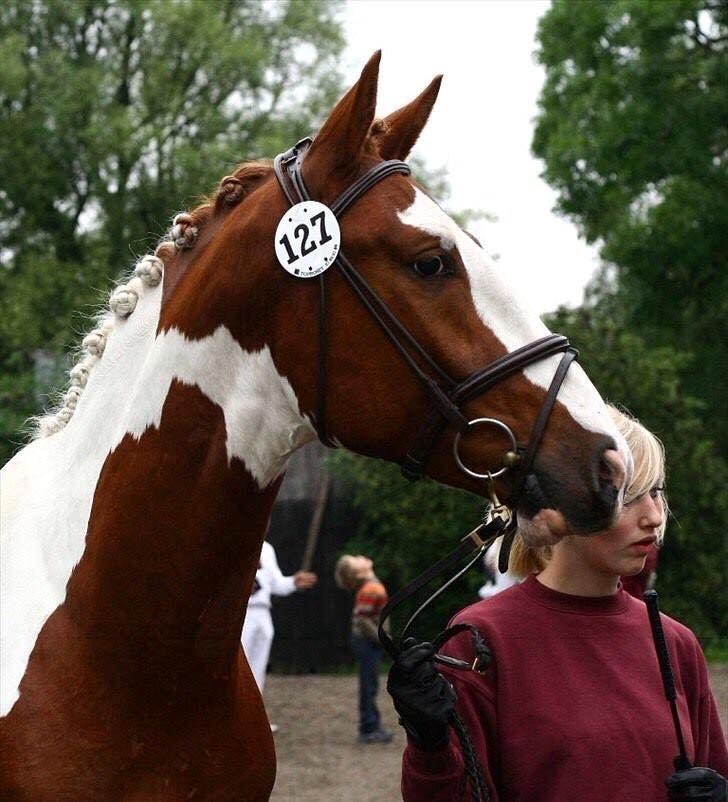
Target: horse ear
{"points": [[343, 134], [402, 128]]}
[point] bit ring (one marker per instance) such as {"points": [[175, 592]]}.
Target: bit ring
{"points": [[489, 474]]}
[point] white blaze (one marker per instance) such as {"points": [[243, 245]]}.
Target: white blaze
{"points": [[47, 489], [510, 319]]}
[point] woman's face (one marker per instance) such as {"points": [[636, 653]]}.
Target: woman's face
{"points": [[622, 550]]}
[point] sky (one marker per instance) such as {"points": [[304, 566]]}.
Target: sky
{"points": [[481, 127]]}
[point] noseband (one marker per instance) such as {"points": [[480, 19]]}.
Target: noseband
{"points": [[447, 395]]}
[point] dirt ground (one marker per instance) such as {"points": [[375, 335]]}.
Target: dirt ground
{"points": [[319, 759]]}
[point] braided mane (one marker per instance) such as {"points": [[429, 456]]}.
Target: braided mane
{"points": [[147, 272]]}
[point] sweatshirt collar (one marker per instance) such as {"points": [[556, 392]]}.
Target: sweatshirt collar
{"points": [[566, 602]]}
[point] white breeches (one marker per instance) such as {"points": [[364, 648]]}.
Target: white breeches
{"points": [[257, 640]]}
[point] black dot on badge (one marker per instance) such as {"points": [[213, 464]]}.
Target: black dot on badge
{"points": [[290, 219]]}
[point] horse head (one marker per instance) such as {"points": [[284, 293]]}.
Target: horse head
{"points": [[341, 365]]}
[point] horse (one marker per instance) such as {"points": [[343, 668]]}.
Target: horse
{"points": [[132, 523]]}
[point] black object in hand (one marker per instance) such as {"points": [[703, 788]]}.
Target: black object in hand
{"points": [[697, 785], [423, 698]]}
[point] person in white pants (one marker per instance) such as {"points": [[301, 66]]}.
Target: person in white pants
{"points": [[258, 627]]}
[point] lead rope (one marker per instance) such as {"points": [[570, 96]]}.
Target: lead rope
{"points": [[478, 788], [473, 546], [473, 771]]}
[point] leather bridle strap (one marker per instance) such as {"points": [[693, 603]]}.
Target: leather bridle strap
{"points": [[474, 543], [447, 394], [288, 170], [414, 463], [526, 463]]}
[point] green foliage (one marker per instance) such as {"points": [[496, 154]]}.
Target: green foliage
{"points": [[717, 652], [632, 129], [114, 114]]}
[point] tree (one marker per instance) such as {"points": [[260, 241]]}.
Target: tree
{"points": [[114, 114], [633, 129]]}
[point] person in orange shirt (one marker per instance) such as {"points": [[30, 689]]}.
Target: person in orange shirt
{"points": [[356, 573]]}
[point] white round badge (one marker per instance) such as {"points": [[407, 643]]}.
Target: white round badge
{"points": [[308, 239]]}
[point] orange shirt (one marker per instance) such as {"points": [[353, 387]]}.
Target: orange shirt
{"points": [[369, 600]]}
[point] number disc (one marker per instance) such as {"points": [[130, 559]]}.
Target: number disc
{"points": [[307, 239]]}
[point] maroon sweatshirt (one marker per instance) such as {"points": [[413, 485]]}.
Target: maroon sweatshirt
{"points": [[572, 706]]}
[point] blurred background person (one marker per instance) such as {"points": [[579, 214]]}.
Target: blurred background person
{"points": [[258, 630], [356, 573]]}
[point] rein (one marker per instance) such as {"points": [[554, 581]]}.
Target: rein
{"points": [[447, 395]]}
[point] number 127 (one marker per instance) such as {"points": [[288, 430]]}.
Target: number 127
{"points": [[303, 232]]}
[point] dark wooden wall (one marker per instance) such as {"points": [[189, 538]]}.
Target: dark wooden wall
{"points": [[312, 627]]}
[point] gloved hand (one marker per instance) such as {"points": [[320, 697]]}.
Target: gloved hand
{"points": [[423, 698], [697, 785]]}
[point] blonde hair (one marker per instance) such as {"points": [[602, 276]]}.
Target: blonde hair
{"points": [[648, 454], [344, 574]]}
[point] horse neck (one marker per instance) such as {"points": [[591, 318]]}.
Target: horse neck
{"points": [[200, 429]]}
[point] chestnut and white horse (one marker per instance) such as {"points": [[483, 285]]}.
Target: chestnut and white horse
{"points": [[132, 524]]}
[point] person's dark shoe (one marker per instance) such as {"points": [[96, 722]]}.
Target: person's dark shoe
{"points": [[376, 737]]}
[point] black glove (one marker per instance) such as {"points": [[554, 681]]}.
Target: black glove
{"points": [[423, 698], [697, 785]]}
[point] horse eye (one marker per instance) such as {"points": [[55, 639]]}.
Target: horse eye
{"points": [[430, 267]]}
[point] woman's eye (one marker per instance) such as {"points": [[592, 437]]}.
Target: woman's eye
{"points": [[653, 492], [434, 266]]}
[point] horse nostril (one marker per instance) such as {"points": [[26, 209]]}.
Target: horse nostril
{"points": [[612, 469]]}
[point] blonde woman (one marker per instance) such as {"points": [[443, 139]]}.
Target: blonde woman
{"points": [[572, 705]]}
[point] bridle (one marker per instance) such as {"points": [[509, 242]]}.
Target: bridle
{"points": [[447, 396]]}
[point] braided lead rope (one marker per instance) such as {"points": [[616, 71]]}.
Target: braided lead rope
{"points": [[478, 787]]}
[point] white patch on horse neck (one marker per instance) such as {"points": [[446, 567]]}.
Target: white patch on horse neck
{"points": [[47, 489], [262, 419], [510, 319]]}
